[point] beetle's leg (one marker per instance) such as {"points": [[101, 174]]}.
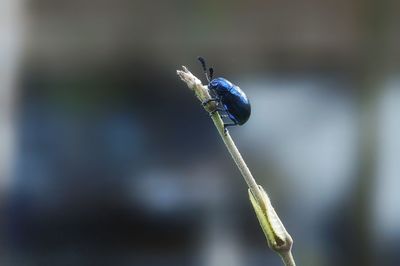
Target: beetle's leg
{"points": [[210, 100], [218, 109], [218, 101], [229, 125], [223, 113]]}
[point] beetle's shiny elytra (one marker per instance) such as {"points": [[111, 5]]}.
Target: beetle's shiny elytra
{"points": [[230, 98]]}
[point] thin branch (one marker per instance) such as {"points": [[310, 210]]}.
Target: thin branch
{"points": [[278, 238]]}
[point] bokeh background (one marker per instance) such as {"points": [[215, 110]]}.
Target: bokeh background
{"points": [[107, 158]]}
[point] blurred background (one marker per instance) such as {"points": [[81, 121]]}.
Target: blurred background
{"points": [[107, 158]]}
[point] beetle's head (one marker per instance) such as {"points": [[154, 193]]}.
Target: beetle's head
{"points": [[220, 85]]}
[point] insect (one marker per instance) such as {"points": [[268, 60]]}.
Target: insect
{"points": [[229, 97]]}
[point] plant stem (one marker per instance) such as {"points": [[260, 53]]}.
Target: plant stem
{"points": [[288, 259], [278, 238], [237, 157]]}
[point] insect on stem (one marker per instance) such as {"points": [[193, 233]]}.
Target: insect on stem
{"points": [[278, 238]]}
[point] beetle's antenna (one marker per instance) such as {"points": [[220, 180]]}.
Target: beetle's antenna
{"points": [[203, 64], [211, 71]]}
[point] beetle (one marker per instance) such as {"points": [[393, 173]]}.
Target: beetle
{"points": [[229, 97]]}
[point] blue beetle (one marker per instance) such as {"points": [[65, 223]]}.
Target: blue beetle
{"points": [[229, 97]]}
